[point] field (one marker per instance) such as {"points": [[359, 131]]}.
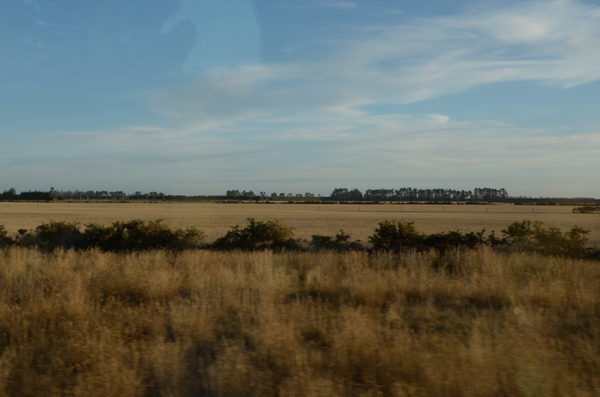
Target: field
{"points": [[204, 323], [307, 219], [299, 324]]}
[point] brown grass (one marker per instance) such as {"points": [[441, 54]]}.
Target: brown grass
{"points": [[298, 324], [307, 219]]}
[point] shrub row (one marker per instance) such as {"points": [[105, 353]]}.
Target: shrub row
{"points": [[135, 235], [390, 236], [518, 236], [587, 209]]}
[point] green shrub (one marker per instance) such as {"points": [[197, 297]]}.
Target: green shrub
{"points": [[553, 241], [520, 233], [341, 242], [586, 209], [532, 236], [4, 239], [138, 235], [454, 239], [258, 236], [396, 236], [97, 236], [135, 235], [52, 235]]}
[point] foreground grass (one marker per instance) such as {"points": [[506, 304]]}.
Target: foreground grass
{"points": [[297, 324]]}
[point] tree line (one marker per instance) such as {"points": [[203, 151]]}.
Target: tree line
{"points": [[337, 195], [250, 195], [95, 195], [412, 194]]}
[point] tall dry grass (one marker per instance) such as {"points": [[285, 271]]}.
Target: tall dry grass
{"points": [[297, 324]]}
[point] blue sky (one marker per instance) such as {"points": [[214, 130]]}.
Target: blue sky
{"points": [[200, 97]]}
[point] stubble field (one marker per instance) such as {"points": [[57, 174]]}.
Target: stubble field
{"points": [[307, 219]]}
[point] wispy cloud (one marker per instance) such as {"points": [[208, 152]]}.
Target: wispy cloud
{"points": [[336, 4], [551, 42], [308, 4]]}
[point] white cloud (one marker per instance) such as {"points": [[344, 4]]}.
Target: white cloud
{"points": [[552, 42], [440, 118], [336, 4]]}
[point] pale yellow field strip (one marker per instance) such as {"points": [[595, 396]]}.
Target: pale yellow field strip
{"points": [[307, 219]]}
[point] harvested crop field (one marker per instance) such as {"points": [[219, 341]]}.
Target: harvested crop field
{"points": [[307, 219]]}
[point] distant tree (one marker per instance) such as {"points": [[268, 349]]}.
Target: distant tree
{"points": [[339, 194], [355, 194], [9, 194], [344, 194]]}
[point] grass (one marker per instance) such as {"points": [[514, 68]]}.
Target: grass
{"points": [[359, 221], [297, 324]]}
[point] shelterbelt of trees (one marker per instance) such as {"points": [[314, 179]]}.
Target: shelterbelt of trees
{"points": [[408, 193], [96, 195], [404, 194]]}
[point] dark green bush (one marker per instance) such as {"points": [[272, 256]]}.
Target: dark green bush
{"points": [[586, 209], [4, 239], [341, 242], [52, 235], [553, 241], [454, 239], [98, 236], [520, 233], [135, 235], [138, 235], [258, 236], [532, 236], [397, 236]]}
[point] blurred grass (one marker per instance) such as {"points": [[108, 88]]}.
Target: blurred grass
{"points": [[297, 324]]}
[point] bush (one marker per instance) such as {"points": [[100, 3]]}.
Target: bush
{"points": [[530, 236], [135, 235], [50, 236], [258, 236], [4, 239], [138, 235], [454, 239], [341, 242], [396, 236], [553, 241], [586, 209]]}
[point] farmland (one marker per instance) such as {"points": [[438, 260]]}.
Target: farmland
{"points": [[307, 219], [474, 322]]}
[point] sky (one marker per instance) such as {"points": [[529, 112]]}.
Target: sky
{"points": [[198, 97]]}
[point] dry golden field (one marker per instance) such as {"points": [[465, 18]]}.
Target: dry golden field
{"points": [[307, 219], [203, 323]]}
